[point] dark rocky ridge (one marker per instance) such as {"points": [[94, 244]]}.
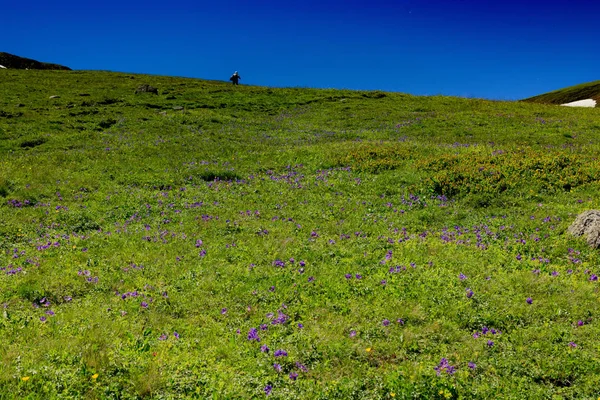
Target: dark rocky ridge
{"points": [[11, 61]]}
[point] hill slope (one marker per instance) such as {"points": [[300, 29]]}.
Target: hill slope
{"points": [[220, 241], [590, 90], [12, 61]]}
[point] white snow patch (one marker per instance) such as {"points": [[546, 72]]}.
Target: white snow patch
{"points": [[581, 103], [2, 66]]}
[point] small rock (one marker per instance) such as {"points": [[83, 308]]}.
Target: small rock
{"points": [[146, 89], [177, 108], [55, 97], [587, 224], [20, 105]]}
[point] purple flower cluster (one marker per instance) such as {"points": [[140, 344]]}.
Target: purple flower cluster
{"points": [[484, 331], [444, 366], [133, 266], [280, 353], [396, 269], [19, 204], [125, 295], [47, 245], [10, 270], [282, 318], [253, 335]]}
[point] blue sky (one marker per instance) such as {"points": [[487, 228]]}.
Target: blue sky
{"points": [[473, 48]]}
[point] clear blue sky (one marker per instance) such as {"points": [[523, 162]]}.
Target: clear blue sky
{"points": [[475, 48]]}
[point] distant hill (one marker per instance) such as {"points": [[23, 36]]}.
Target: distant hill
{"points": [[590, 90], [15, 62]]}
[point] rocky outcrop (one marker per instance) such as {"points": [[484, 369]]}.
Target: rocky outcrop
{"points": [[11, 61], [587, 224]]}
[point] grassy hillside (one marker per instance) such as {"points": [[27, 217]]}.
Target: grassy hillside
{"points": [[590, 90], [215, 241]]}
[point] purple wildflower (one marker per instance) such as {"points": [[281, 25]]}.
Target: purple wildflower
{"points": [[444, 366], [300, 326], [529, 300], [163, 337], [268, 389], [572, 345], [490, 343], [593, 277], [580, 323], [253, 335], [223, 310], [293, 375], [386, 322], [301, 367], [144, 304], [472, 365], [277, 367], [461, 276], [176, 335], [352, 333], [43, 319], [264, 348], [280, 353], [469, 293], [311, 278]]}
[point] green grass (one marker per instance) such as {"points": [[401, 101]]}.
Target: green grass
{"points": [[144, 237]]}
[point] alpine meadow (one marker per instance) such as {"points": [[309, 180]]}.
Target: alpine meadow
{"points": [[220, 241]]}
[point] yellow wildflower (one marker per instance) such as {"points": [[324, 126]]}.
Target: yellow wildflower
{"points": [[94, 376], [25, 378]]}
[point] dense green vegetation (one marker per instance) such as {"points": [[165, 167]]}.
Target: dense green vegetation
{"points": [[240, 242]]}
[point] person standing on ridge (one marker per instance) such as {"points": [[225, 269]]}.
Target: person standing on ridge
{"points": [[235, 78]]}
